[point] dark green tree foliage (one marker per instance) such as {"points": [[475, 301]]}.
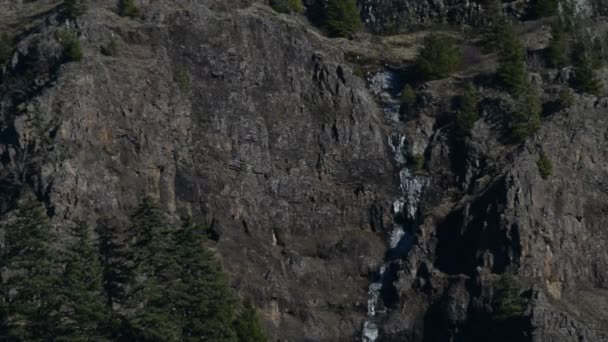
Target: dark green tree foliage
{"points": [[111, 49], [558, 49], [287, 6], [247, 325], [509, 306], [512, 62], [153, 283], [127, 8], [589, 55], [206, 315], [468, 114], [72, 51], [155, 269], [526, 118], [585, 80], [5, 48], [508, 303], [116, 261], [408, 100], [545, 8], [341, 17], [545, 166], [84, 315], [565, 99], [30, 276], [438, 57], [76, 8], [408, 95]]}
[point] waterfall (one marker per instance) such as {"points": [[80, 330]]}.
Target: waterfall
{"points": [[387, 85]]}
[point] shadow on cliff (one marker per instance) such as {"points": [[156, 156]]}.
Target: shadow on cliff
{"points": [[474, 235]]}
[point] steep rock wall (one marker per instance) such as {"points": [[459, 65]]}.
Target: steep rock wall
{"points": [[241, 118]]}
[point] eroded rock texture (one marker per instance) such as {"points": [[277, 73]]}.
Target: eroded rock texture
{"points": [[253, 123]]}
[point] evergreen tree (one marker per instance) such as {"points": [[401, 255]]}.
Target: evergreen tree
{"points": [[127, 8], [72, 50], [206, 303], [341, 17], [116, 262], [468, 114], [512, 62], [156, 271], [247, 325], [585, 80], [30, 282], [287, 6], [438, 57], [76, 8], [557, 51], [84, 314], [545, 8], [545, 166], [526, 118], [509, 309], [5, 48]]}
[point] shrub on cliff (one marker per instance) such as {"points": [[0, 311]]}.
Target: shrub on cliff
{"points": [[565, 98], [585, 80], [512, 62], [247, 325], [558, 49], [468, 114], [287, 6], [525, 121], [127, 8], [545, 8], [507, 301], [341, 17], [408, 98], [545, 166], [5, 48], [438, 57], [72, 51], [75, 8]]}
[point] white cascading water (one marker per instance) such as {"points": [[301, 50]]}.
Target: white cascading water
{"points": [[386, 86]]}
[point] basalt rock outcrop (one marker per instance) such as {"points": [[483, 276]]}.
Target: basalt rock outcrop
{"points": [[255, 124], [272, 142]]}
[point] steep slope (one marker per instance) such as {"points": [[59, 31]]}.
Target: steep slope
{"points": [[270, 140], [344, 216]]}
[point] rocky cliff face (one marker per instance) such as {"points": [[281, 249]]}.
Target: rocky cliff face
{"points": [[273, 143], [255, 124]]}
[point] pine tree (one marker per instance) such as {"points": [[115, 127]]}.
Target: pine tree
{"points": [[512, 62], [30, 275], [341, 17], [545, 8], [127, 8], [156, 272], [84, 314], [206, 303], [545, 166], [507, 301], [287, 6], [116, 261], [247, 325], [76, 8], [526, 118], [557, 51], [468, 114], [5, 48], [439, 57]]}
